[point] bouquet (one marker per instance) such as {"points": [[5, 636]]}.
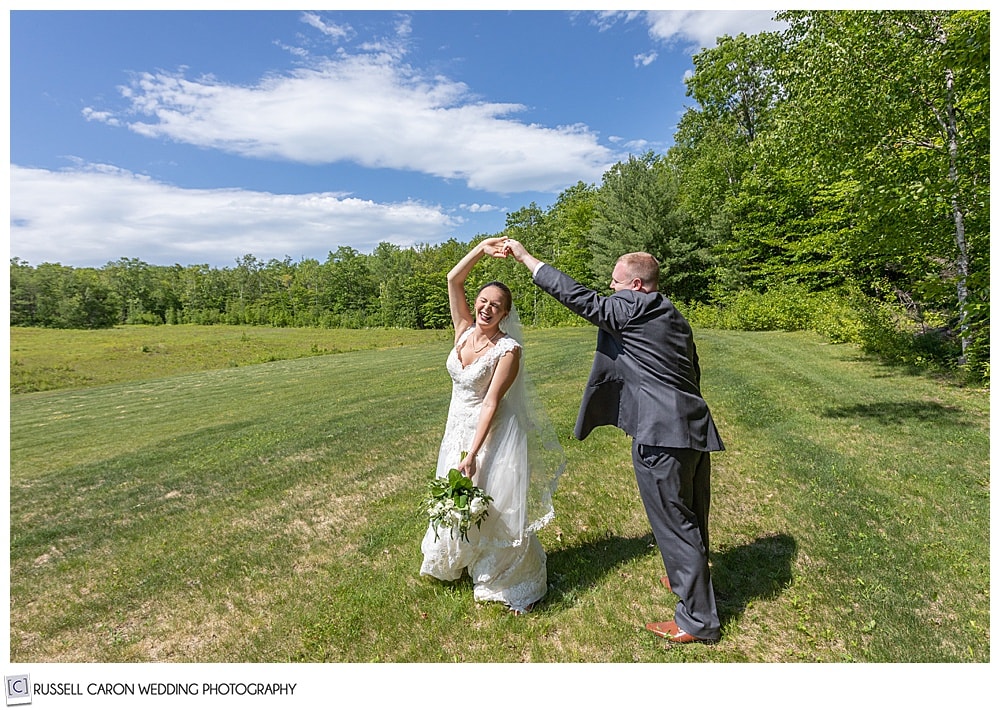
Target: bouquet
{"points": [[455, 503]]}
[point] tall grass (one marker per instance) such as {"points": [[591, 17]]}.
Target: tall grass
{"points": [[46, 359], [266, 513]]}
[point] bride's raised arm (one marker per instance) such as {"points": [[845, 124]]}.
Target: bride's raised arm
{"points": [[461, 314]]}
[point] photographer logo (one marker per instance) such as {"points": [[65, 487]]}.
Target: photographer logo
{"points": [[18, 688]]}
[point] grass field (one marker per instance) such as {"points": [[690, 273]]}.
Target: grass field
{"points": [[45, 359], [192, 510]]}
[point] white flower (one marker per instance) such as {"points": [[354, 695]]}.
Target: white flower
{"points": [[442, 508]]}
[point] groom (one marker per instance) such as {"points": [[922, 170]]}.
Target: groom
{"points": [[646, 381]]}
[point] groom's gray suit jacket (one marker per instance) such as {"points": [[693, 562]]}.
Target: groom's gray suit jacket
{"points": [[645, 378]]}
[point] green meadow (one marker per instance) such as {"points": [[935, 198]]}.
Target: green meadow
{"points": [[185, 494]]}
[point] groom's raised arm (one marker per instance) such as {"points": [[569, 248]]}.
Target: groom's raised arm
{"points": [[585, 302]]}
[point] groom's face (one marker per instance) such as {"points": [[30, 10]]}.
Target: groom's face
{"points": [[620, 280]]}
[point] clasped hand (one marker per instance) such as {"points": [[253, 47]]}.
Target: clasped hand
{"points": [[502, 247]]}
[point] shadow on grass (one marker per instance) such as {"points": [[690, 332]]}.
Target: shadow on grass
{"points": [[574, 569], [898, 412], [761, 569]]}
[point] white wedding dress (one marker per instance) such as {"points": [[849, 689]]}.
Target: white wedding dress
{"points": [[503, 557]]}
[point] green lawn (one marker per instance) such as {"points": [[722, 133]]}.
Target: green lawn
{"points": [[265, 513], [46, 359]]}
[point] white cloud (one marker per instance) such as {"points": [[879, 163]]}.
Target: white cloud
{"points": [[477, 208], [96, 214], [330, 29], [370, 109], [102, 116], [700, 29], [644, 60], [606, 19], [694, 29], [640, 145]]}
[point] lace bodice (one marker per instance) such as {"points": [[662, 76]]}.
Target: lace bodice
{"points": [[471, 382]]}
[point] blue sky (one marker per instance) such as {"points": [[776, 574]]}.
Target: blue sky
{"points": [[195, 137]]}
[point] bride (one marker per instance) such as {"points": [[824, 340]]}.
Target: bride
{"points": [[509, 450]]}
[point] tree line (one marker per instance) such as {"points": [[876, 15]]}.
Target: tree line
{"points": [[833, 176]]}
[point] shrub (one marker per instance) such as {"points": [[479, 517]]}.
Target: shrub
{"points": [[785, 308], [835, 316], [882, 329]]}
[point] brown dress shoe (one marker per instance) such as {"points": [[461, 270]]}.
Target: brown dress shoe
{"points": [[674, 634]]}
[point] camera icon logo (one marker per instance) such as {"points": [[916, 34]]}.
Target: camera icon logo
{"points": [[18, 689]]}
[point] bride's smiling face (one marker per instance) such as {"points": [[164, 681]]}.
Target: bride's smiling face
{"points": [[491, 307]]}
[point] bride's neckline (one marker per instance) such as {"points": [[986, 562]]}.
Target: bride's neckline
{"points": [[481, 352], [492, 340]]}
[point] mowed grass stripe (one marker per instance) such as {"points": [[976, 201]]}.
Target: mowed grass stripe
{"points": [[873, 473]]}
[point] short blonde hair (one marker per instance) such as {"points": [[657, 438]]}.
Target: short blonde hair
{"points": [[642, 266]]}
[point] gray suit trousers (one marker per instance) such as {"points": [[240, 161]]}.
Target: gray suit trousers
{"points": [[675, 488]]}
